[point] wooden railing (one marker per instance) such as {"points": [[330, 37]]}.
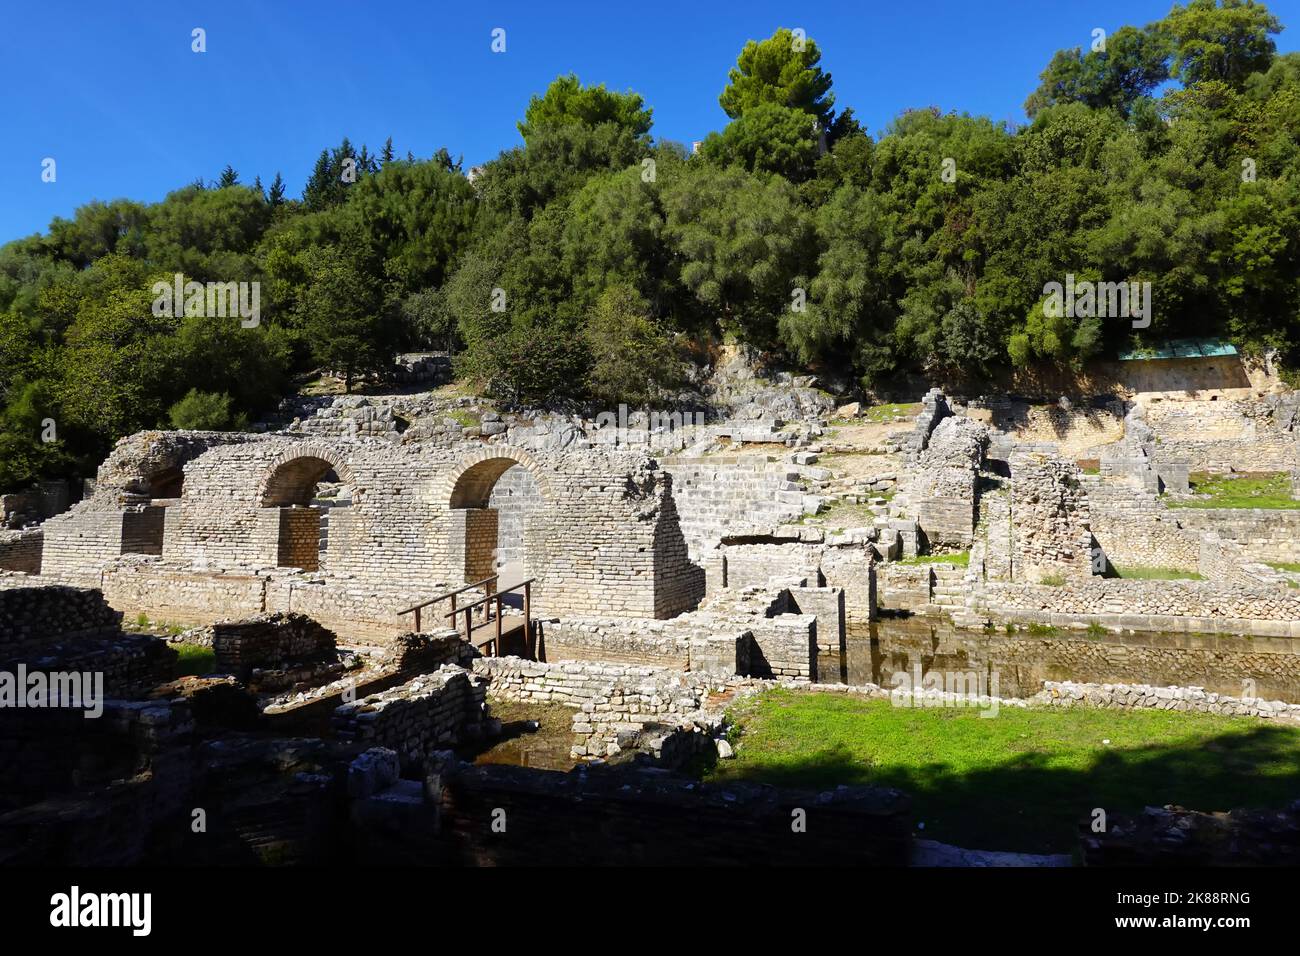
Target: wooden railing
{"points": [[450, 594], [486, 603], [489, 618]]}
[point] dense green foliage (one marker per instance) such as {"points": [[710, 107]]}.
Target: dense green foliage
{"points": [[585, 263]]}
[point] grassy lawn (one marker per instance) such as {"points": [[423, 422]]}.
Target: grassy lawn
{"points": [[1020, 780], [194, 660], [1138, 573], [1259, 490], [959, 558]]}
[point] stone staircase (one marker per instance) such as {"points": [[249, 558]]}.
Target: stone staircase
{"points": [[949, 588]]}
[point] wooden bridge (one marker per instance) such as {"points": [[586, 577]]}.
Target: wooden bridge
{"points": [[511, 633]]}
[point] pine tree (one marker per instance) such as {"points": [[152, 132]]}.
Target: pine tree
{"points": [[387, 156], [276, 196], [318, 192], [228, 177]]}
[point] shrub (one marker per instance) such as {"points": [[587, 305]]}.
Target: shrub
{"points": [[204, 411]]}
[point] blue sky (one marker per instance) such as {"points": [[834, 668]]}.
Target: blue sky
{"points": [[112, 91]]}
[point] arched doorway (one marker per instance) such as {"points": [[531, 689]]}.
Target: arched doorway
{"points": [[144, 522], [303, 495], [493, 500]]}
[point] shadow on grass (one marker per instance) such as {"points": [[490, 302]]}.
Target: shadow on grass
{"points": [[1024, 804]]}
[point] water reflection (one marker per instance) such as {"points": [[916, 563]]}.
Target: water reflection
{"points": [[1020, 663]]}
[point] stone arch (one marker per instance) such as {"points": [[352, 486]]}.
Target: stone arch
{"points": [[166, 483], [469, 483], [488, 522], [291, 476], [295, 527]]}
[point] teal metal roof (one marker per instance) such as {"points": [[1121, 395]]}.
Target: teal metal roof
{"points": [[1181, 348]]}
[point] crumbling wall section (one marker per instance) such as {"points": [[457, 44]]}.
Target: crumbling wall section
{"points": [[943, 493], [1050, 520], [21, 550], [433, 710]]}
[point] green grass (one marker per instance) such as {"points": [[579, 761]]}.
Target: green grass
{"points": [[1020, 780], [194, 659], [959, 558], [463, 417], [1258, 490], [840, 515], [887, 412], [1138, 573], [1291, 566]]}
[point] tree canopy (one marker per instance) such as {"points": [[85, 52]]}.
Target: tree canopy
{"points": [[582, 265]]}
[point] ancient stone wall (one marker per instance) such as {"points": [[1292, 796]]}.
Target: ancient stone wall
{"points": [[1134, 529], [1050, 520], [21, 550], [581, 819], [1144, 696], [607, 540], [1203, 606], [934, 409], [142, 530], [827, 605], [45, 752], [784, 646], [943, 492], [611, 698], [1225, 436], [1176, 837], [851, 569], [78, 542], [652, 643], [433, 710], [754, 565], [71, 630], [269, 640], [298, 538], [178, 595], [32, 618], [1262, 534], [905, 586], [515, 497], [426, 652], [679, 583], [729, 496]]}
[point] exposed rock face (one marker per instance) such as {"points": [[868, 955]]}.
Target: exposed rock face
{"points": [[741, 383]]}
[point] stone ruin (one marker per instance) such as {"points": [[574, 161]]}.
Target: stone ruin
{"points": [[185, 524], [661, 584], [944, 491]]}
